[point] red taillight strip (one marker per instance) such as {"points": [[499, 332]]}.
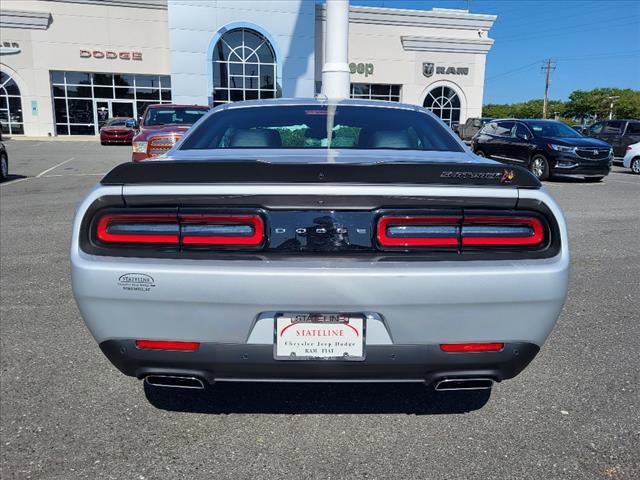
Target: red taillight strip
{"points": [[471, 347], [386, 241], [255, 221], [105, 236], [167, 345], [502, 240]]}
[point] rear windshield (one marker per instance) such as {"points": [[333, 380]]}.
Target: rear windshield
{"points": [[116, 123], [552, 129], [321, 127], [173, 116]]}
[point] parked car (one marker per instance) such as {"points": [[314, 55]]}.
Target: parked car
{"points": [[162, 126], [617, 133], [472, 126], [4, 161], [118, 130], [632, 158], [306, 240], [545, 147]]}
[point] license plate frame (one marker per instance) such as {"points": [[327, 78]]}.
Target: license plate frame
{"points": [[355, 321]]}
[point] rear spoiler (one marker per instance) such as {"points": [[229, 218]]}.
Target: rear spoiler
{"points": [[210, 172]]}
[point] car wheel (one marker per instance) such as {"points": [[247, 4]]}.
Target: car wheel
{"points": [[593, 179], [539, 167], [480, 153], [635, 165], [4, 167]]}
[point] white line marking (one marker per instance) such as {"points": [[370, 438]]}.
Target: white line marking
{"points": [[54, 167], [74, 175]]}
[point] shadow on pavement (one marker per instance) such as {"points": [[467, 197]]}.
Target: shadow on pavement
{"points": [[11, 177], [316, 398]]}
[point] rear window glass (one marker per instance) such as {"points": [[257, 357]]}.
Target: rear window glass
{"points": [[173, 116], [321, 127]]}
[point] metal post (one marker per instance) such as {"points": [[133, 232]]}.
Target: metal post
{"points": [[336, 81], [548, 66]]}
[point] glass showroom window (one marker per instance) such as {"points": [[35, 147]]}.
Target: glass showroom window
{"points": [[244, 67], [370, 91], [445, 103], [10, 106], [84, 101]]}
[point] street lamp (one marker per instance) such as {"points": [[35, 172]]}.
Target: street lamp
{"points": [[612, 99]]}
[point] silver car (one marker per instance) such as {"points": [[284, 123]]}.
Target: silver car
{"points": [[308, 240]]}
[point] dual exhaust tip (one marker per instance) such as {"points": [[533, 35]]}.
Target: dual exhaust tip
{"points": [[195, 383], [175, 381], [451, 384]]}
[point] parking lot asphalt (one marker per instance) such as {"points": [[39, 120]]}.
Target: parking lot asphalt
{"points": [[66, 413]]}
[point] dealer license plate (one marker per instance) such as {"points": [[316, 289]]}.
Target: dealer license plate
{"points": [[313, 336]]}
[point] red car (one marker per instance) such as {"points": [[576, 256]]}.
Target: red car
{"points": [[118, 130], [162, 126]]}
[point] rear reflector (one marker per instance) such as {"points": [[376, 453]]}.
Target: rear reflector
{"points": [[471, 347], [147, 228], [419, 231], [167, 345], [206, 229]]}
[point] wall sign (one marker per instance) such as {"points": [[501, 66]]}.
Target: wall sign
{"points": [[428, 69], [361, 68], [9, 48], [110, 55]]}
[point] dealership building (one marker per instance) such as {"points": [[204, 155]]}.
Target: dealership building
{"points": [[68, 65]]}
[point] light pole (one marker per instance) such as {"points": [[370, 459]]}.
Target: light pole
{"points": [[612, 99]]}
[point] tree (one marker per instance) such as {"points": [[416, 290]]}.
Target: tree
{"points": [[582, 104]]}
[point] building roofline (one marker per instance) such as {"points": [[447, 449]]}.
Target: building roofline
{"points": [[437, 17]]}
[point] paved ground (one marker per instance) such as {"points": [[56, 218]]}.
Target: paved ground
{"points": [[67, 413]]}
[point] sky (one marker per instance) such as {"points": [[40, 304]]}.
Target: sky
{"points": [[595, 43]]}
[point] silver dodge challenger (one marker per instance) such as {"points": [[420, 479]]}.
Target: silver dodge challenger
{"points": [[311, 240]]}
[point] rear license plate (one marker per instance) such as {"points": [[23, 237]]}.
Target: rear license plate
{"points": [[319, 336]]}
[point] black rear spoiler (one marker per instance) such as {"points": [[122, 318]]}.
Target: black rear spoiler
{"points": [[193, 172]]}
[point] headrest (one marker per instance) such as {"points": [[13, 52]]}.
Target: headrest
{"points": [[256, 138]]}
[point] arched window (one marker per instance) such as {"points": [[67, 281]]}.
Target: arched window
{"points": [[10, 106], [445, 103], [244, 67]]}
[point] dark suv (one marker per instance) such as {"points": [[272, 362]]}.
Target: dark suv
{"points": [[617, 133], [545, 147]]}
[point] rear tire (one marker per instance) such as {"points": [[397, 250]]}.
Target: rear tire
{"points": [[635, 165], [539, 166], [480, 153], [4, 167]]}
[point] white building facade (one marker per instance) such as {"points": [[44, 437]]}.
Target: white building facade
{"points": [[67, 65]]}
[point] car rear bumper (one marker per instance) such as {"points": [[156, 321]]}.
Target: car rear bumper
{"points": [[242, 362]]}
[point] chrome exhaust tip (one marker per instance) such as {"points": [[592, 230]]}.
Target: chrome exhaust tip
{"points": [[174, 381], [450, 384]]}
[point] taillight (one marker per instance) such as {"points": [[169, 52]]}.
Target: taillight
{"points": [[186, 230], [160, 144], [203, 229], [139, 229], [470, 230], [471, 347], [499, 231], [418, 231], [167, 345]]}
